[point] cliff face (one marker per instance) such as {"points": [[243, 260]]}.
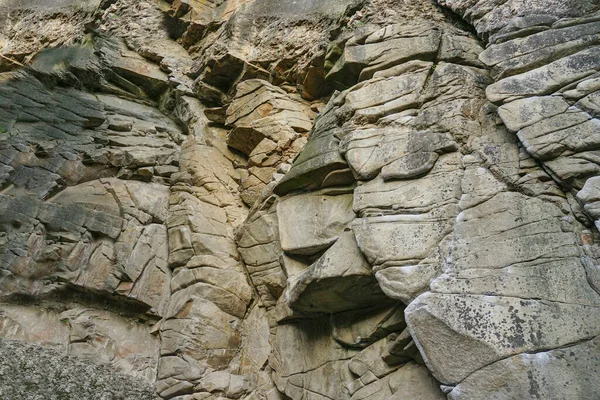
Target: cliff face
{"points": [[356, 199]]}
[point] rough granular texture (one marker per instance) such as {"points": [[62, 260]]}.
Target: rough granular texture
{"points": [[31, 372]]}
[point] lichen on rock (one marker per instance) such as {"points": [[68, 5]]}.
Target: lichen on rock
{"points": [[252, 199]]}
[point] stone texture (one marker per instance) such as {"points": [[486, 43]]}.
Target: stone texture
{"points": [[505, 326], [267, 122], [328, 285], [248, 199], [30, 371], [320, 219], [554, 373]]}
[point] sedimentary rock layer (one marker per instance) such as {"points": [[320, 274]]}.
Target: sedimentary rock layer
{"points": [[248, 199]]}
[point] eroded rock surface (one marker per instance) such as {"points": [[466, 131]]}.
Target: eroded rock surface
{"points": [[244, 199]]}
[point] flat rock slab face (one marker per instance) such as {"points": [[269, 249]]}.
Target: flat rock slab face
{"points": [[411, 381], [431, 193], [311, 223], [368, 151], [560, 373], [290, 8], [298, 372], [499, 17], [259, 247], [489, 328], [383, 49], [522, 251], [390, 240]]}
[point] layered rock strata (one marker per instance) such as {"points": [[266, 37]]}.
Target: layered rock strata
{"points": [[235, 199]]}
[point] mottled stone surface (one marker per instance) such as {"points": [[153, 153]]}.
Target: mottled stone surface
{"points": [[33, 372], [307, 200]]}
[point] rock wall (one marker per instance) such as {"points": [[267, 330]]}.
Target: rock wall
{"points": [[359, 199]]}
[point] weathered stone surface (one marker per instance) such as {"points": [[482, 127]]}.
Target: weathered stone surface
{"points": [[288, 48], [521, 54], [259, 246], [359, 328], [319, 220], [522, 113], [440, 188], [410, 381], [329, 285], [297, 371], [369, 150], [589, 196], [186, 199], [386, 95], [526, 252], [505, 326], [266, 123], [562, 372], [410, 166], [32, 371], [382, 49], [547, 79], [319, 158], [515, 15]]}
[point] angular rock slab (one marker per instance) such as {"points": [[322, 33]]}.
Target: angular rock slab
{"points": [[521, 113], [514, 245], [383, 49], [331, 284], [397, 239], [403, 251], [259, 246], [567, 373], [307, 361], [382, 96], [433, 193], [547, 79], [394, 149], [513, 15], [310, 223], [459, 334], [319, 158], [200, 330], [412, 381], [521, 53], [261, 110]]}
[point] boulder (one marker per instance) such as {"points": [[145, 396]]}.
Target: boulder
{"points": [[329, 284]]}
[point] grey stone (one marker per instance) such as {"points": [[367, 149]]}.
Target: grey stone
{"points": [[318, 221], [481, 329], [329, 285], [547, 79], [383, 49], [368, 151], [563, 372], [31, 371]]}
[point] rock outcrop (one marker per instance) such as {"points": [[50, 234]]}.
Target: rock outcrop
{"points": [[248, 199]]}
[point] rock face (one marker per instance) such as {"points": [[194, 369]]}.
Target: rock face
{"points": [[245, 199]]}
